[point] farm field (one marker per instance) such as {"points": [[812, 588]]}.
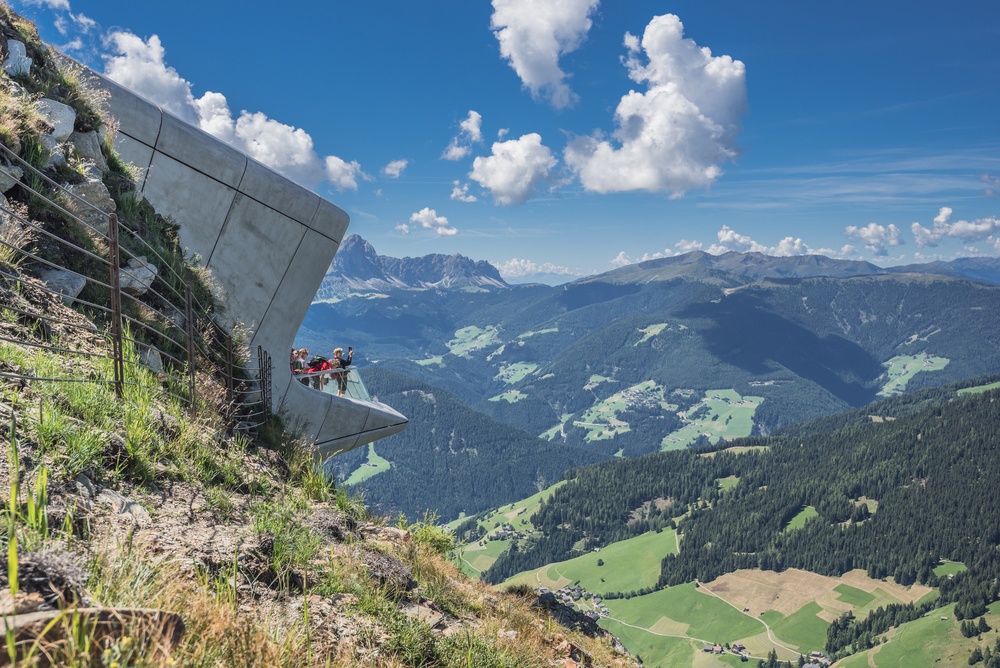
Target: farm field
{"points": [[514, 373], [627, 565], [722, 414], [468, 339], [476, 557], [929, 641], [799, 605], [902, 368], [676, 622], [372, 467]]}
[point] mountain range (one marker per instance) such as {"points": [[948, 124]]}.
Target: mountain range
{"points": [[358, 269], [660, 355]]}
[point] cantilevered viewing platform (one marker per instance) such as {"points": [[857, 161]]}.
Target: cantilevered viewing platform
{"points": [[267, 243]]}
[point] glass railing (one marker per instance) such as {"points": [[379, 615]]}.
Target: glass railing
{"points": [[339, 382]]}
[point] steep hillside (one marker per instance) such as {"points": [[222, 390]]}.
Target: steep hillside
{"points": [[143, 524], [895, 490], [452, 460]]}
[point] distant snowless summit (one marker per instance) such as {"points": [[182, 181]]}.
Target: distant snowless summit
{"points": [[358, 270]]}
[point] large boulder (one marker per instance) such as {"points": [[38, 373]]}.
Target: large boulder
{"points": [[17, 62], [87, 146], [95, 193], [60, 116], [65, 283], [137, 276], [10, 175]]}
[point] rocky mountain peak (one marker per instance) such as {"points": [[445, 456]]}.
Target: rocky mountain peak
{"points": [[358, 268]]}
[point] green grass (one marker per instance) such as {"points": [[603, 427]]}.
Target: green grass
{"points": [[510, 396], [706, 617], [528, 335], [650, 332], [372, 467], [475, 559], [727, 482], [515, 373], [724, 414], [950, 568], [472, 339], [802, 629], [928, 641], [431, 360], [628, 565], [853, 596], [800, 520], [902, 368], [979, 388]]}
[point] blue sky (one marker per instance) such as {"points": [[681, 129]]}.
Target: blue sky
{"points": [[568, 137]]}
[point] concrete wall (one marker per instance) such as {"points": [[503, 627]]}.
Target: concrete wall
{"points": [[267, 242]]}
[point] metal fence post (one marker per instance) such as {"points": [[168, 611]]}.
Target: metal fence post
{"points": [[189, 330], [116, 308]]}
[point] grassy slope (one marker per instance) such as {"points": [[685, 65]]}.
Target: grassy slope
{"points": [[929, 641], [628, 565]]}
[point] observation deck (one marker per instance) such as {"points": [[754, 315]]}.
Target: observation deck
{"points": [[266, 241]]}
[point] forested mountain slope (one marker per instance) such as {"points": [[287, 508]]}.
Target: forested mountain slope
{"points": [[893, 495], [451, 459]]}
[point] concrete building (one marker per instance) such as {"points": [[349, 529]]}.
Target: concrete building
{"points": [[267, 243]]}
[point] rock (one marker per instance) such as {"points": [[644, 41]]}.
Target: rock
{"points": [[84, 487], [389, 571], [10, 175], [56, 154], [150, 358], [124, 506], [60, 116], [87, 146], [68, 284], [393, 535], [96, 194], [17, 62], [137, 276]]}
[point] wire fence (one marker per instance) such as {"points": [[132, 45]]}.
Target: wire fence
{"points": [[109, 273]]}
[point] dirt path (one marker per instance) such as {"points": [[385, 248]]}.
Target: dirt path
{"points": [[770, 634], [675, 635]]}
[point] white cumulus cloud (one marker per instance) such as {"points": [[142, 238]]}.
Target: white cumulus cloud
{"points": [[731, 240], [876, 238], [140, 65], [515, 169], [686, 246], [975, 230], [395, 168], [403, 228], [469, 132], [533, 35], [516, 268], [460, 192], [675, 135], [430, 220], [620, 260]]}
